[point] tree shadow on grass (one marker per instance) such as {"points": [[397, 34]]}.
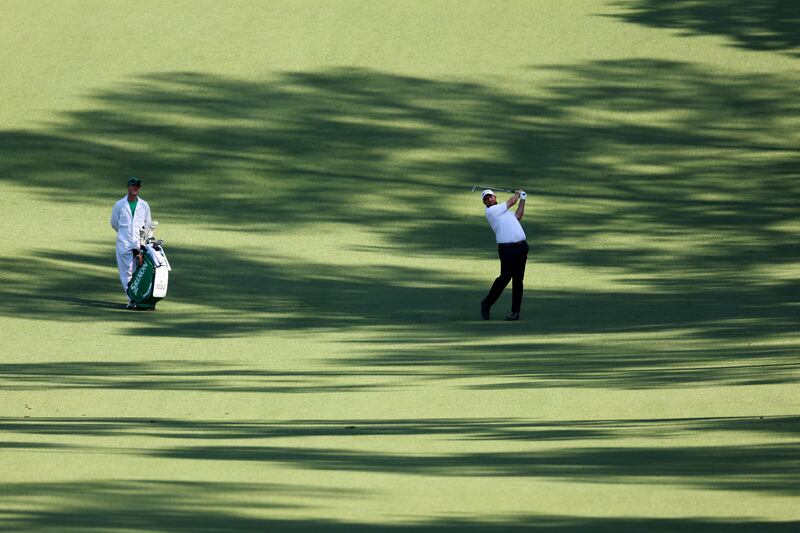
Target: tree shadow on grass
{"points": [[454, 429], [146, 505], [438, 342], [201, 506], [763, 468], [675, 184], [594, 456], [624, 366], [763, 25], [237, 294], [635, 148], [208, 376]]}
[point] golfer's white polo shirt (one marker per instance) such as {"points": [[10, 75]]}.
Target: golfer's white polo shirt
{"points": [[506, 227]]}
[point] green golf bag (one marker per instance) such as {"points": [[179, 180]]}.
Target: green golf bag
{"points": [[151, 279]]}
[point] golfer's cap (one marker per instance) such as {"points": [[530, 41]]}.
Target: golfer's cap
{"points": [[487, 192], [134, 181]]}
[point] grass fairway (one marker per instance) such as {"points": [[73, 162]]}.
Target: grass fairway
{"points": [[319, 363]]}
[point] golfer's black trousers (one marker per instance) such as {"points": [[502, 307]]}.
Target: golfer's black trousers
{"points": [[512, 268]]}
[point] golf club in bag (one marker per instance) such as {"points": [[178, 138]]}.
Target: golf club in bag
{"points": [[150, 280]]}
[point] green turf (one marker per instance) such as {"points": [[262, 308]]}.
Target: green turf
{"points": [[319, 363]]}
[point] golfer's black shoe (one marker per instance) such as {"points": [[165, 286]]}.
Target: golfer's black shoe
{"points": [[131, 305], [513, 316], [484, 310]]}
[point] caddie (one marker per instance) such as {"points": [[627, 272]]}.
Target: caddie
{"points": [[128, 217], [511, 247]]}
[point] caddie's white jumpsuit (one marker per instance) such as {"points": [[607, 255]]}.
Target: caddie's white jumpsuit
{"points": [[127, 229]]}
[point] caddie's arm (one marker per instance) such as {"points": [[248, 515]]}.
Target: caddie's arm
{"points": [[115, 218], [511, 201], [521, 209]]}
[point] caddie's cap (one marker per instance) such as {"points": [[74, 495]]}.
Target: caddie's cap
{"points": [[134, 181], [487, 192]]}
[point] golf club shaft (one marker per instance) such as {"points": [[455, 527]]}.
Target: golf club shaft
{"points": [[482, 187]]}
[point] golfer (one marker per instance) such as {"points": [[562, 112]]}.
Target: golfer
{"points": [[512, 248], [128, 217]]}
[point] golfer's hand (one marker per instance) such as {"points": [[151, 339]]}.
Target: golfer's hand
{"points": [[139, 259], [523, 195]]}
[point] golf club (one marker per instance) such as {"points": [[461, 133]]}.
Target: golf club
{"points": [[481, 187]]}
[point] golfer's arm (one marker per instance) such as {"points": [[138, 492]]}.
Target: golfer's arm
{"points": [[520, 210], [511, 201]]}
